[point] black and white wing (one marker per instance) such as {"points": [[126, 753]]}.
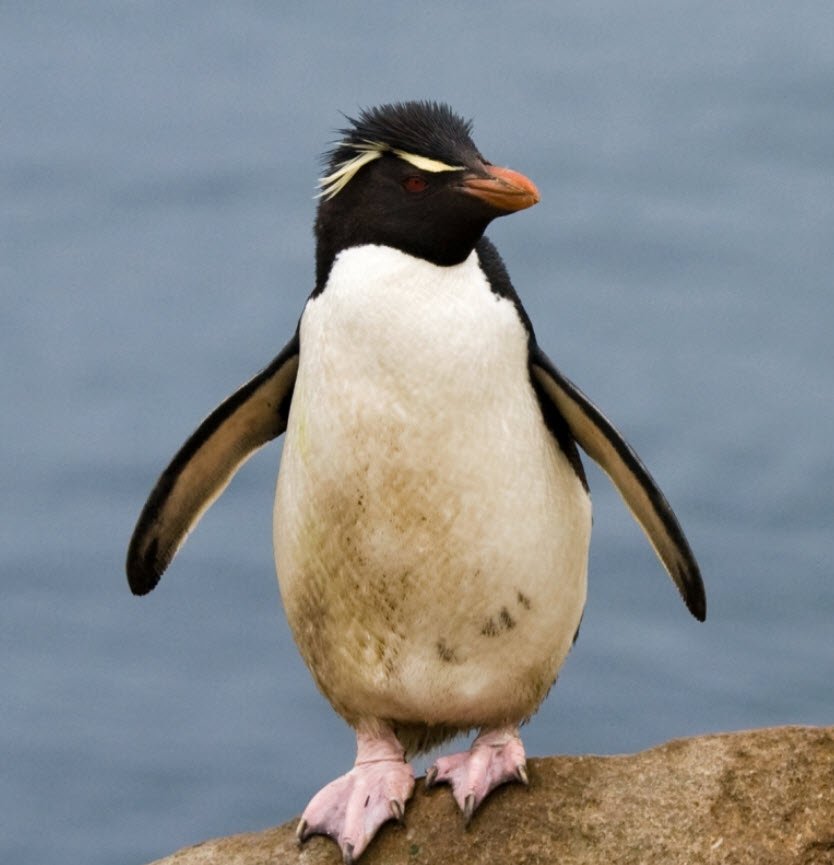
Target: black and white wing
{"points": [[200, 471], [603, 443]]}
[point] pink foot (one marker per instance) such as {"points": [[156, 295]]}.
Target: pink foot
{"points": [[495, 758], [351, 809]]}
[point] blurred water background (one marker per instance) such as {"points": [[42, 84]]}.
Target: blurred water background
{"points": [[157, 169]]}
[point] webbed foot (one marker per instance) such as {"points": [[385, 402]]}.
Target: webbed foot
{"points": [[351, 809], [496, 757]]}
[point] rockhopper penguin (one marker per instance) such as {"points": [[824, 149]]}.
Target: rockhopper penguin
{"points": [[432, 517]]}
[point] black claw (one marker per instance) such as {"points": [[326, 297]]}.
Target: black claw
{"points": [[431, 777], [468, 808], [398, 811], [347, 854]]}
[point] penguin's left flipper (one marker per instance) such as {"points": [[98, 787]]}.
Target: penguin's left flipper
{"points": [[253, 415], [603, 443]]}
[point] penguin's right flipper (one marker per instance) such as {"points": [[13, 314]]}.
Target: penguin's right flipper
{"points": [[253, 415]]}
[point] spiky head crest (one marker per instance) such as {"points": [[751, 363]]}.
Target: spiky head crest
{"points": [[428, 134]]}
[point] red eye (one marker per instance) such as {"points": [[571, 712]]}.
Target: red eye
{"points": [[415, 183]]}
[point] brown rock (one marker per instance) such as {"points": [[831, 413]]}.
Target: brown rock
{"points": [[764, 797]]}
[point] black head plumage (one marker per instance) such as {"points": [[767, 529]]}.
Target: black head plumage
{"points": [[422, 127], [407, 175]]}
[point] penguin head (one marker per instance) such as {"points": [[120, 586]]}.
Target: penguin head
{"points": [[409, 176]]}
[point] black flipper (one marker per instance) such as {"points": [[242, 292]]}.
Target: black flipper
{"points": [[604, 444], [204, 465]]}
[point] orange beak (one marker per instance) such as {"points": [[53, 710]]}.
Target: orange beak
{"points": [[504, 189]]}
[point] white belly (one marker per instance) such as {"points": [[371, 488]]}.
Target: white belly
{"points": [[431, 539]]}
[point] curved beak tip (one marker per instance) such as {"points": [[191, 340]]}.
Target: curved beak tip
{"points": [[504, 189]]}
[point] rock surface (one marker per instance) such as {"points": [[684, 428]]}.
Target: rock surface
{"points": [[764, 797]]}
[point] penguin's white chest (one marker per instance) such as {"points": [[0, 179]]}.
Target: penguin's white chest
{"points": [[430, 537]]}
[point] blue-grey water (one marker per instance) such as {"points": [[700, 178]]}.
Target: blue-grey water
{"points": [[157, 168]]}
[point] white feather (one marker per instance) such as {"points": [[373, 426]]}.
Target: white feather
{"points": [[332, 184], [338, 179], [435, 166], [431, 539]]}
